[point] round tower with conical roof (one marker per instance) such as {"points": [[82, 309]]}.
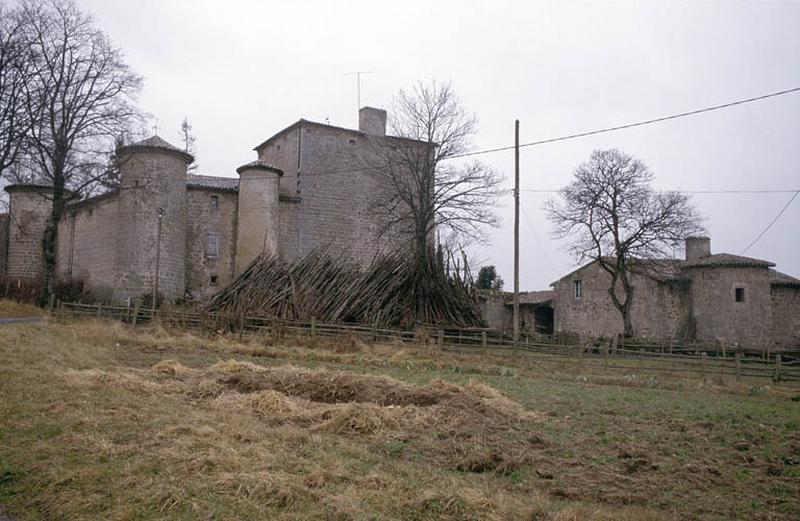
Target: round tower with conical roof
{"points": [[259, 214], [153, 219]]}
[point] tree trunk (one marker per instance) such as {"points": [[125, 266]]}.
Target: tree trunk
{"points": [[627, 319], [50, 241]]}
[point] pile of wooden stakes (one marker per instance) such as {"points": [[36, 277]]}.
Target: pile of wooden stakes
{"points": [[389, 292]]}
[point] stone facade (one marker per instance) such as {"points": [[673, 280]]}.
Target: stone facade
{"points": [[27, 218], [4, 220], [330, 170], [706, 297], [287, 202]]}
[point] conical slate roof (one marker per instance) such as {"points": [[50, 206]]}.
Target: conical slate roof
{"points": [[156, 142], [259, 165]]}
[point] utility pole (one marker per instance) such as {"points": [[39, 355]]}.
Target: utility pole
{"points": [[516, 233], [158, 258]]}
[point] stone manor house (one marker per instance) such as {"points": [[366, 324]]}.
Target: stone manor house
{"points": [[308, 188], [705, 297]]}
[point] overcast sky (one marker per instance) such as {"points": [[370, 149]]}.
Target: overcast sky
{"points": [[242, 70]]}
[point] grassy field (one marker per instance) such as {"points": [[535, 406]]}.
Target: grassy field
{"points": [[99, 421]]}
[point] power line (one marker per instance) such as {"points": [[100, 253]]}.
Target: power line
{"points": [[563, 138], [765, 230], [631, 125], [757, 191]]}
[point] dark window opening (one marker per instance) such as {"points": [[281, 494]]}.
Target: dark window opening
{"points": [[739, 294], [578, 289], [215, 201], [214, 280], [352, 141]]}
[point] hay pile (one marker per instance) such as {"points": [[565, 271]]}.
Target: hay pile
{"points": [[391, 291]]}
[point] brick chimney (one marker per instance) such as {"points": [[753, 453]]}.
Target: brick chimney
{"points": [[697, 248], [372, 121]]}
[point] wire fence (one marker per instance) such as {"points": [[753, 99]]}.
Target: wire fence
{"points": [[699, 360]]}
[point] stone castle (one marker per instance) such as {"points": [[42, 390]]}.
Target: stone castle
{"points": [[309, 187]]}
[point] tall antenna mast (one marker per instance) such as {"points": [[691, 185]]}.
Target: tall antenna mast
{"points": [[358, 74]]}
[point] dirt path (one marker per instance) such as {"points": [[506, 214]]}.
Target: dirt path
{"points": [[17, 320]]}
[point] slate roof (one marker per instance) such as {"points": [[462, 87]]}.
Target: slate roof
{"points": [[727, 260], [533, 297], [301, 122], [259, 165], [208, 182], [158, 143], [781, 279]]}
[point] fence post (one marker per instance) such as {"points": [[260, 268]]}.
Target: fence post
{"points": [[738, 366], [777, 369], [614, 345], [440, 339], [51, 302], [704, 358], [313, 326], [374, 332], [99, 310], [135, 312], [484, 341], [606, 348]]}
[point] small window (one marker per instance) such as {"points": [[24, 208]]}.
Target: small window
{"points": [[214, 280], [739, 292], [352, 141], [212, 245], [578, 289], [215, 201]]}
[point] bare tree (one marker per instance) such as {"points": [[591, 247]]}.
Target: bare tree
{"points": [[188, 139], [84, 101], [429, 190], [16, 69], [611, 215]]}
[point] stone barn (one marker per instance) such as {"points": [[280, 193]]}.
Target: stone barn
{"points": [[705, 297]]}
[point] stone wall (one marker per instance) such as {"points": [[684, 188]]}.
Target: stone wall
{"points": [[28, 212], [786, 316], [4, 220], [206, 275], [657, 309], [493, 310], [152, 179], [716, 313], [336, 190], [287, 241], [89, 245]]}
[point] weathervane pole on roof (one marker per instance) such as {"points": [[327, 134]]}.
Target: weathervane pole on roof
{"points": [[358, 74]]}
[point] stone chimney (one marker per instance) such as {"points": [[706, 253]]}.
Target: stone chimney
{"points": [[697, 248], [372, 121]]}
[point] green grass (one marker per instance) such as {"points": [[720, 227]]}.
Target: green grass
{"points": [[77, 444]]}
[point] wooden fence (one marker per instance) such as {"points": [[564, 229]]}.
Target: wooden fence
{"points": [[703, 361]]}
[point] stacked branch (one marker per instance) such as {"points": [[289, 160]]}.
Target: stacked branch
{"points": [[334, 289]]}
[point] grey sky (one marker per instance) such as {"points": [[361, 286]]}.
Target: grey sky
{"points": [[243, 70]]}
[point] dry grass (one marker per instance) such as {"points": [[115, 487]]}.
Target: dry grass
{"points": [[11, 308], [100, 422]]}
